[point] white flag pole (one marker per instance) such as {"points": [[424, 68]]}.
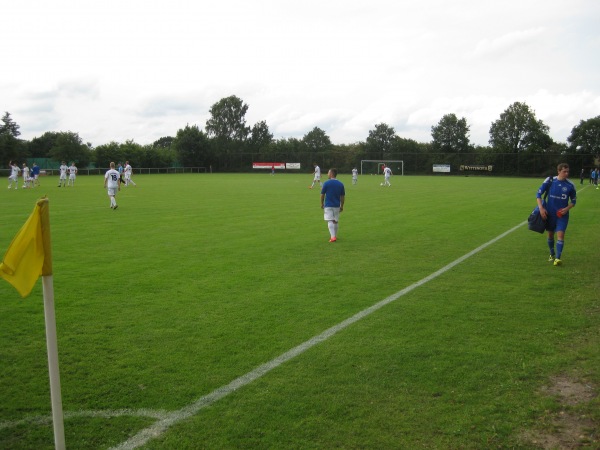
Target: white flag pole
{"points": [[51, 343]]}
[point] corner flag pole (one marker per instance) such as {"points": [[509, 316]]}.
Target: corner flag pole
{"points": [[52, 345], [50, 319], [29, 255]]}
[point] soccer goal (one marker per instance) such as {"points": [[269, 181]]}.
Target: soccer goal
{"points": [[375, 166]]}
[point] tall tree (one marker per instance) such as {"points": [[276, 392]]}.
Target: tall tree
{"points": [[260, 137], [517, 130], [9, 126], [317, 140], [104, 154], [68, 146], [585, 137], [192, 147], [450, 135], [381, 139], [227, 124], [10, 146], [40, 147], [164, 142]]}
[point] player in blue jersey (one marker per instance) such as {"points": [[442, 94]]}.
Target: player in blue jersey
{"points": [[556, 209], [333, 196]]}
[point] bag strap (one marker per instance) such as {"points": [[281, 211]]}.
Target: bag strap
{"points": [[549, 186]]}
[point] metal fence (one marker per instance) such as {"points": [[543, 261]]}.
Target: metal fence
{"points": [[485, 164]]}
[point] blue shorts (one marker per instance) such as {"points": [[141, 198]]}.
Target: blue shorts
{"points": [[555, 223]]}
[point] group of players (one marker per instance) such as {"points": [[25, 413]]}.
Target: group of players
{"points": [[555, 198], [387, 173], [30, 176]]}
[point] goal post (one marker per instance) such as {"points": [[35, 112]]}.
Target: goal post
{"points": [[375, 166]]}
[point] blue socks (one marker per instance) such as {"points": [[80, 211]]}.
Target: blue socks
{"points": [[559, 248], [551, 246]]}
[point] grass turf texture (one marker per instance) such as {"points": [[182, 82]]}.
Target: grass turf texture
{"points": [[198, 279]]}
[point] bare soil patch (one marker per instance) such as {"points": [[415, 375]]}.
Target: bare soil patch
{"points": [[567, 429]]}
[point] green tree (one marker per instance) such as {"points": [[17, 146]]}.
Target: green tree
{"points": [[450, 135], [585, 137], [260, 137], [317, 141], [164, 142], [227, 125], [517, 130], [133, 152], [69, 147], [381, 140], [104, 154], [40, 147], [288, 150], [9, 126], [10, 146], [192, 147]]}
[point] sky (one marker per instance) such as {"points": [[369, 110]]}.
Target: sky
{"points": [[117, 70]]}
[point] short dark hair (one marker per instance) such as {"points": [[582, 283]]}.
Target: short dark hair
{"points": [[334, 172], [562, 166]]}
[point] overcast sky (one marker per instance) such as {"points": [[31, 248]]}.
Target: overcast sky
{"points": [[115, 70]]}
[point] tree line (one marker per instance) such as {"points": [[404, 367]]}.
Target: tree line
{"points": [[227, 141]]}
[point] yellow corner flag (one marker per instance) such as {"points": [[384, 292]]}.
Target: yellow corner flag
{"points": [[29, 255]]}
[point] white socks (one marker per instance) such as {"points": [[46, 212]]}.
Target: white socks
{"points": [[333, 227]]}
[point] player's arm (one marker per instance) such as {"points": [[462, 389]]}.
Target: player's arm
{"points": [[342, 199], [538, 197], [322, 201]]}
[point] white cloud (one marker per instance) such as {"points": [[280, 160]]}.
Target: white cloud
{"points": [[133, 69]]}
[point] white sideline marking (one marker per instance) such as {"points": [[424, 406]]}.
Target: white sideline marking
{"points": [[174, 417]]}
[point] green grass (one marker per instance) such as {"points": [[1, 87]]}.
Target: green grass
{"points": [[198, 279]]}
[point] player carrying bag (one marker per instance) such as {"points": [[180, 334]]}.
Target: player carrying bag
{"points": [[535, 222]]}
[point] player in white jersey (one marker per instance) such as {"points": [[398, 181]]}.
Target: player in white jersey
{"points": [[354, 175], [13, 178], [128, 172], [62, 181], [26, 179], [317, 176], [387, 173], [72, 174], [112, 182]]}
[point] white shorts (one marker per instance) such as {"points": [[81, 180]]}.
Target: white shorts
{"points": [[112, 192], [331, 214], [317, 177]]}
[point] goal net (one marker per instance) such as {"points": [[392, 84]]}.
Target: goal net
{"points": [[375, 166]]}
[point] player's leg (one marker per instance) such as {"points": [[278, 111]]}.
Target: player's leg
{"points": [[551, 247], [561, 228]]}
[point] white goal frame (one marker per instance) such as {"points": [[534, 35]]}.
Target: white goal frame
{"points": [[381, 161]]}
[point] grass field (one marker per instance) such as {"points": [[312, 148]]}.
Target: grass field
{"points": [[197, 280]]}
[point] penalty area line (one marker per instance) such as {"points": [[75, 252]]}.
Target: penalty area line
{"points": [[174, 417]]}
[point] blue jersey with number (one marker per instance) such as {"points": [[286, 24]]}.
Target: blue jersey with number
{"points": [[333, 190], [559, 194]]}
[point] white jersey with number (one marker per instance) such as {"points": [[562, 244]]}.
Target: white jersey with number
{"points": [[63, 171], [72, 171], [112, 179], [387, 172]]}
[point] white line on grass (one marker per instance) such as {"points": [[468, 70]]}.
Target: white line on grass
{"points": [[174, 417]]}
